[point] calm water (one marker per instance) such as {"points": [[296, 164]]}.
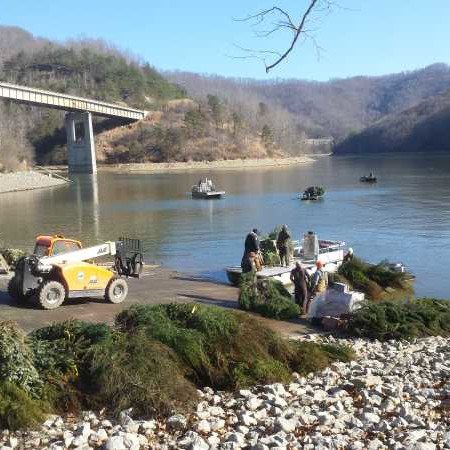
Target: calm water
{"points": [[404, 217]]}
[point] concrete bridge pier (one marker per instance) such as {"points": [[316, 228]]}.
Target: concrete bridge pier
{"points": [[80, 143]]}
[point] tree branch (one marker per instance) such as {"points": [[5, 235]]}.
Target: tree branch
{"points": [[286, 22]]}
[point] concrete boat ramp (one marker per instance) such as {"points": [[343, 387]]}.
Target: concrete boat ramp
{"points": [[157, 285]]}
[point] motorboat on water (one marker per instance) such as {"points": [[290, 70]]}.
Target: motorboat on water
{"points": [[371, 178], [206, 189], [313, 193], [308, 251]]}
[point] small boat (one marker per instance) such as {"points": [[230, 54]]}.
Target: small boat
{"points": [[313, 193], [206, 189], [371, 178]]}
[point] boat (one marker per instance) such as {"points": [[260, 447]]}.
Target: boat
{"points": [[206, 189], [313, 193], [371, 178], [308, 251]]}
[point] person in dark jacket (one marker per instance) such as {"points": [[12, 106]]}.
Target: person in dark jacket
{"points": [[252, 241], [300, 279], [283, 245], [251, 252]]}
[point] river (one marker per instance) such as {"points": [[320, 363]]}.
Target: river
{"points": [[404, 217]]}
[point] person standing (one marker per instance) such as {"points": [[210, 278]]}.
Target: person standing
{"points": [[319, 284], [283, 245], [300, 279], [348, 256], [252, 241], [250, 259]]}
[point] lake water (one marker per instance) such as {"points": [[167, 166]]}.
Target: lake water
{"points": [[404, 217]]}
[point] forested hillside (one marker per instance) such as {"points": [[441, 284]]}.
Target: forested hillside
{"points": [[211, 127], [334, 108], [424, 127], [84, 68], [196, 117]]}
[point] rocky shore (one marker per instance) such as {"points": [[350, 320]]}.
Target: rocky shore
{"points": [[27, 180], [395, 395]]}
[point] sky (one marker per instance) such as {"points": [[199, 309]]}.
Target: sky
{"points": [[360, 37]]}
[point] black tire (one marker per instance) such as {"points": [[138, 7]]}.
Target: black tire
{"points": [[14, 291], [51, 294], [116, 291]]}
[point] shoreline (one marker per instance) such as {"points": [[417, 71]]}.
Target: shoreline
{"points": [[27, 181], [229, 164]]}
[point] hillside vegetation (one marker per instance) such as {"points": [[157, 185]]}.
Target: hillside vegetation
{"points": [[333, 108], [200, 117], [83, 68], [421, 128]]}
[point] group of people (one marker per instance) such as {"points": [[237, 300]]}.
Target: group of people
{"points": [[305, 286], [252, 258]]}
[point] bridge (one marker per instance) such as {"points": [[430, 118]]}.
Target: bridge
{"points": [[80, 136]]}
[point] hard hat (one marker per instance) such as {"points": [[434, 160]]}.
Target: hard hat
{"points": [[319, 264], [350, 250]]}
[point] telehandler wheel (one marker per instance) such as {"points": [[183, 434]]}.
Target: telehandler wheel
{"points": [[15, 292], [51, 294], [117, 290]]}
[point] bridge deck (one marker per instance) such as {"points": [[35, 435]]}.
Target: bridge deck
{"points": [[38, 97]]}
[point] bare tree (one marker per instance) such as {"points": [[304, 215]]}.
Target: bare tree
{"points": [[301, 29]]}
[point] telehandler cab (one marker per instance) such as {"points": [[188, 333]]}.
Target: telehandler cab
{"points": [[58, 269]]}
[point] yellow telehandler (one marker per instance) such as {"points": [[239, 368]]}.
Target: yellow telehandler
{"points": [[58, 269]]}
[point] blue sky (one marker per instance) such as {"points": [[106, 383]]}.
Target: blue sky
{"points": [[367, 37]]}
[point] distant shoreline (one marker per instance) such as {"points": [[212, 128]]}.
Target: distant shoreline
{"points": [[27, 181], [229, 164]]}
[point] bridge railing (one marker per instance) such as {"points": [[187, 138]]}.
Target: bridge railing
{"points": [[56, 100]]}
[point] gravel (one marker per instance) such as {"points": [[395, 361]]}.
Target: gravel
{"points": [[23, 181], [395, 396]]}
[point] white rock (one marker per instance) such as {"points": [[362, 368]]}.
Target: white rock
{"points": [[414, 436], [235, 437], [217, 425], [115, 443], [199, 444], [326, 419], [247, 419], [260, 414], [213, 441], [148, 425], [176, 422], [131, 426], [106, 424], [253, 403], [375, 444], [131, 441], [80, 440], [203, 426], [13, 442], [286, 425], [245, 393], [216, 411], [368, 417]]}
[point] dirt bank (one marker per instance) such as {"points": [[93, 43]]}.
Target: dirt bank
{"points": [[229, 164]]}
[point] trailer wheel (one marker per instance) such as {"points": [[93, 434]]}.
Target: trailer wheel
{"points": [[51, 294], [116, 291]]}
